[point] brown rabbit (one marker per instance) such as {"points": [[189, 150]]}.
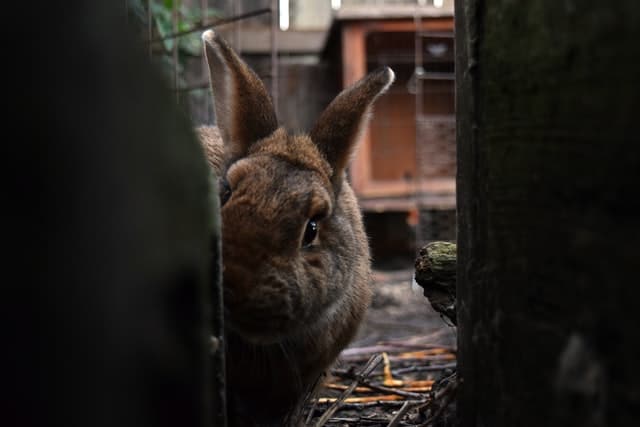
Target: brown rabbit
{"points": [[295, 254]]}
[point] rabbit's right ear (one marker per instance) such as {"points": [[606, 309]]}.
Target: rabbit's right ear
{"points": [[338, 129], [244, 111]]}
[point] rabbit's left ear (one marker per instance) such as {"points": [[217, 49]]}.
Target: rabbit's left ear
{"points": [[337, 130], [244, 111]]}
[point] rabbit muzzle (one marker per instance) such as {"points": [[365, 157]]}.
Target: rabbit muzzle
{"points": [[263, 304]]}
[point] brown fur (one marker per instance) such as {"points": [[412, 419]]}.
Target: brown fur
{"points": [[289, 309]]}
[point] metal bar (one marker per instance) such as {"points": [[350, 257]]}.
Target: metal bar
{"points": [[218, 362], [204, 5], [438, 34], [174, 19], [274, 53], [197, 86], [229, 9], [432, 75], [149, 28], [418, 72], [203, 11], [237, 34], [212, 24]]}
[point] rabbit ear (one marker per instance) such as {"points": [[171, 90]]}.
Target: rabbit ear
{"points": [[340, 125], [244, 112]]}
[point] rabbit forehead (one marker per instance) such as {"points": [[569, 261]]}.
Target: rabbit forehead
{"points": [[298, 150], [278, 190]]}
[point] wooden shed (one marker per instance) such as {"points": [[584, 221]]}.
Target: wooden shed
{"points": [[406, 161]]}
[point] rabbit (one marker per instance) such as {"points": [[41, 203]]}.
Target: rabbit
{"points": [[296, 263]]}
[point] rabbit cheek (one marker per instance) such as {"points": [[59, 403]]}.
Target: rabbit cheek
{"points": [[260, 308]]}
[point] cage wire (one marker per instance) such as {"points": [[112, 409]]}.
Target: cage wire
{"points": [[435, 140], [172, 33]]}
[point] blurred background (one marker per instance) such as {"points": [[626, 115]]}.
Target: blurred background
{"points": [[307, 51]]}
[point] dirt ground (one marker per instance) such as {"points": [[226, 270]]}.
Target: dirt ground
{"points": [[410, 347], [399, 311]]}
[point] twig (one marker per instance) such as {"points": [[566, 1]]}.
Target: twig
{"points": [[361, 406], [407, 356], [392, 347], [311, 391], [364, 399], [212, 24], [358, 421], [418, 346], [384, 389], [429, 368], [312, 410], [399, 415], [373, 362], [308, 397], [446, 395], [388, 377], [381, 388], [428, 338]]}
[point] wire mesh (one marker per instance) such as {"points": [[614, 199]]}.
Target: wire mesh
{"points": [[435, 137], [176, 48]]}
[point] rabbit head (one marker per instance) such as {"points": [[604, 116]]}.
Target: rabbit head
{"points": [[295, 255]]}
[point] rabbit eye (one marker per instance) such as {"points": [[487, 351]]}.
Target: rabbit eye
{"points": [[310, 233], [225, 191]]}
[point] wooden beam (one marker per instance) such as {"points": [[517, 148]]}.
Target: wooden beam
{"points": [[548, 208], [408, 25], [354, 67]]}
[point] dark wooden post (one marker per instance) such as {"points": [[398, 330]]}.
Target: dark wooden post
{"points": [[109, 220], [548, 99]]}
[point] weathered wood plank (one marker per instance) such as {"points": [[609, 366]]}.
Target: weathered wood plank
{"points": [[549, 155]]}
